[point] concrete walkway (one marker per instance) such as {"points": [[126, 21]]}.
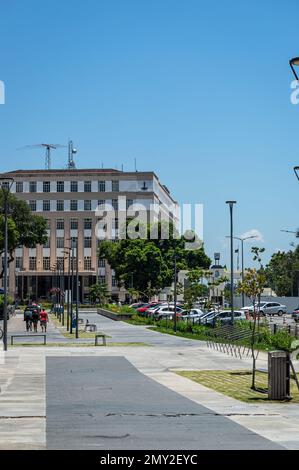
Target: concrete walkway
{"points": [[105, 403], [23, 392]]}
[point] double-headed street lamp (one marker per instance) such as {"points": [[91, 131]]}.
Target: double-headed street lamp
{"points": [[242, 258], [72, 240], [294, 63], [231, 205], [5, 185], [67, 251]]}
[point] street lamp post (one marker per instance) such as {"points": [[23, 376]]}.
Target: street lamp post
{"points": [[71, 240], [62, 299], [67, 251], [293, 63], [231, 205], [6, 184], [242, 259], [175, 293], [77, 290]]}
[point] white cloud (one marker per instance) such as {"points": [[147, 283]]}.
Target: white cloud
{"points": [[253, 232]]}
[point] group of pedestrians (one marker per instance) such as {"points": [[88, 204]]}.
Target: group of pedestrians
{"points": [[34, 314]]}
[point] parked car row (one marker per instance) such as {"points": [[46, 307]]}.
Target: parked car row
{"points": [[165, 310], [158, 310]]}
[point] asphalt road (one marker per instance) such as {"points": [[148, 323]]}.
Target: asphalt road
{"points": [[106, 403]]}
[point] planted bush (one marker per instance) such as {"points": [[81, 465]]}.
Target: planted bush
{"points": [[281, 340]]}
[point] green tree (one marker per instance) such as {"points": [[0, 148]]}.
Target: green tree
{"points": [[148, 261], [282, 273], [252, 286], [98, 293], [195, 288], [24, 228]]}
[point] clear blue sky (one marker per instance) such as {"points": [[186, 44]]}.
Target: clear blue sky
{"points": [[195, 90]]}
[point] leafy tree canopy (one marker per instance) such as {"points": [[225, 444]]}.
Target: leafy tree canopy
{"points": [[146, 264], [24, 228], [282, 273]]}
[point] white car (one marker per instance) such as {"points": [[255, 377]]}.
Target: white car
{"points": [[166, 312], [268, 308], [193, 313], [150, 311]]}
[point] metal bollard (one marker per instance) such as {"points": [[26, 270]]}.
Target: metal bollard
{"points": [[275, 328]]}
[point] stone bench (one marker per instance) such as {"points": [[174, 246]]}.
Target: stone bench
{"points": [[28, 336], [97, 336], [90, 327]]}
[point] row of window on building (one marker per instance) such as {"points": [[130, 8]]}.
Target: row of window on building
{"points": [[60, 186], [60, 204], [60, 261]]}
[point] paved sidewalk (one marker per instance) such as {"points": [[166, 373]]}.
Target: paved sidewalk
{"points": [[23, 394], [124, 409]]}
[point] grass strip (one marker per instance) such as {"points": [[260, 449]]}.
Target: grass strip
{"points": [[88, 345], [236, 384]]}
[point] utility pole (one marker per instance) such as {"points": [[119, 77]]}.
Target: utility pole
{"points": [[6, 184], [175, 293], [77, 290], [72, 283], [231, 205]]}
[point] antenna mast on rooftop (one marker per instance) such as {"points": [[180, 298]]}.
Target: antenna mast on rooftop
{"points": [[71, 164]]}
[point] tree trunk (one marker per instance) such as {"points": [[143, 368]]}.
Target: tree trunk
{"points": [[9, 260]]}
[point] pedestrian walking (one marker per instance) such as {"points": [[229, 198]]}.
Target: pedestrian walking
{"points": [[35, 319], [44, 319], [28, 319]]}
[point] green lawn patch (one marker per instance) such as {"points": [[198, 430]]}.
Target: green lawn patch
{"points": [[82, 334], [237, 383]]}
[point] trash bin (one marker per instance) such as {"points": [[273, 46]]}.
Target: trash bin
{"points": [[278, 375]]}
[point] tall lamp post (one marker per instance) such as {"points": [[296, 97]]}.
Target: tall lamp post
{"points": [[175, 293], [296, 170], [242, 259], [67, 252], [294, 62], [5, 184], [231, 205], [71, 240], [77, 290]]}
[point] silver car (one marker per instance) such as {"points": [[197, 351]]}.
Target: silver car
{"points": [[192, 314], [268, 308]]}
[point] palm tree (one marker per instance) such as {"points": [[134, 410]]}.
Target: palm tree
{"points": [[98, 293]]}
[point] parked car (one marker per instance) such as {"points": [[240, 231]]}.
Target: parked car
{"points": [[143, 308], [167, 312], [137, 305], [268, 308], [224, 316], [295, 314], [192, 314], [151, 310]]}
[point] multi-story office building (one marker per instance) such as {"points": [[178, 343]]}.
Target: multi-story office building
{"points": [[70, 201]]}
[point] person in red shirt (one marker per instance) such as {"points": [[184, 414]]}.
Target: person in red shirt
{"points": [[43, 318]]}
